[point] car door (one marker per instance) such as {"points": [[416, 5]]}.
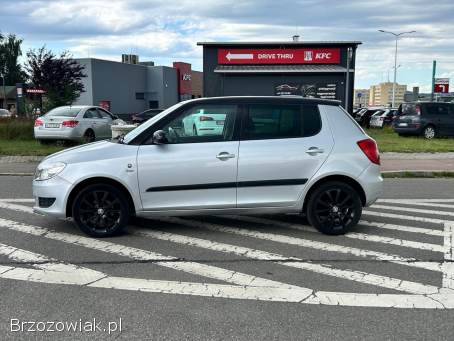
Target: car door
{"points": [[191, 171], [450, 120], [92, 121], [438, 114], [105, 123], [281, 148]]}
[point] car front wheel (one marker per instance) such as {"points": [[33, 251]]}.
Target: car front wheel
{"points": [[101, 210], [334, 208]]}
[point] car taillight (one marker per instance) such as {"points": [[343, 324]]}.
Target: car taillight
{"points": [[70, 124], [370, 149], [206, 118], [38, 122]]}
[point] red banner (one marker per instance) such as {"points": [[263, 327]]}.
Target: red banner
{"points": [[279, 56]]}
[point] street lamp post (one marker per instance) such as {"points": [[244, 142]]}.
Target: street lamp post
{"points": [[396, 35], [4, 91]]}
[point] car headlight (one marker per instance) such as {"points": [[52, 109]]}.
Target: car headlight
{"points": [[49, 172]]}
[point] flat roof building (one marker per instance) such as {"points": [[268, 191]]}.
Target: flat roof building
{"points": [[320, 69]]}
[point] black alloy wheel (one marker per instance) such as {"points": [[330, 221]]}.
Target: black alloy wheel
{"points": [[334, 208], [101, 210]]}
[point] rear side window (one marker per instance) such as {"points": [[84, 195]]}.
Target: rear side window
{"points": [[410, 109], [436, 109], [64, 112], [280, 121]]}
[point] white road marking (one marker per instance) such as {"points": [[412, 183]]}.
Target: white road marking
{"points": [[61, 273], [352, 235], [18, 200], [413, 203], [402, 228], [448, 268], [407, 261], [403, 217], [352, 275], [16, 207], [194, 268], [414, 210], [396, 241]]}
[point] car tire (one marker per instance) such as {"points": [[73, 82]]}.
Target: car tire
{"points": [[429, 132], [89, 136], [334, 208], [101, 211]]}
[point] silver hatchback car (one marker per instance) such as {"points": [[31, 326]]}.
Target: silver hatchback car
{"points": [[269, 155], [76, 123]]}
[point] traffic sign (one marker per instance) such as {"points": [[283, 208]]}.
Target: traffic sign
{"points": [[441, 85]]}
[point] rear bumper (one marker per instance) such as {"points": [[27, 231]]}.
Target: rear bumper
{"points": [[372, 183], [57, 134], [408, 130]]}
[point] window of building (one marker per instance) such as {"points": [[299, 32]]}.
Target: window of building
{"points": [[140, 95]]}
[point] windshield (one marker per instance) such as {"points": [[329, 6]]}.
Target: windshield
{"points": [[136, 132], [64, 111]]}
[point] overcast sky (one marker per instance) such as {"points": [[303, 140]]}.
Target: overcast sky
{"points": [[166, 31]]}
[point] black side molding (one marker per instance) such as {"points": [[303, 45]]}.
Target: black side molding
{"points": [[242, 184]]}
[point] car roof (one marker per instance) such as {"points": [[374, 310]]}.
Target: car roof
{"points": [[277, 99]]}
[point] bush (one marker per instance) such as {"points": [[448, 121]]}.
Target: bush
{"points": [[16, 129]]}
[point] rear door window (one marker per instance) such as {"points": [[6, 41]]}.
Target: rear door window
{"points": [[262, 121], [409, 109]]}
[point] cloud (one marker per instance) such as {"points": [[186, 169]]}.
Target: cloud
{"points": [[169, 30]]}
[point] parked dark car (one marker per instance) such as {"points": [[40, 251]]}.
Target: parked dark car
{"points": [[429, 119], [364, 115], [145, 115]]}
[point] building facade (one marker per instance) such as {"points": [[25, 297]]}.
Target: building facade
{"points": [[311, 69], [126, 88], [382, 94], [361, 98]]}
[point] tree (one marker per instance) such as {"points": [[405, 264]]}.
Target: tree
{"points": [[61, 77], [10, 51]]}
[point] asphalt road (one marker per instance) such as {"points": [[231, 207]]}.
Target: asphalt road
{"points": [[236, 278]]}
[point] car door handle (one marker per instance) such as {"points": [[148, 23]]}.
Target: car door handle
{"points": [[224, 156], [314, 150]]}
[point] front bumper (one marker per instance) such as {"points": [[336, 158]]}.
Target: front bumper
{"points": [[57, 188]]}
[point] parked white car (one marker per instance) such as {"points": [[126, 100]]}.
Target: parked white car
{"points": [[5, 113], [76, 123], [383, 117], [272, 155], [204, 122]]}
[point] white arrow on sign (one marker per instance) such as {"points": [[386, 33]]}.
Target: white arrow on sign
{"points": [[231, 56]]}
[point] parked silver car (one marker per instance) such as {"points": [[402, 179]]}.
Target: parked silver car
{"points": [[273, 155], [76, 123]]}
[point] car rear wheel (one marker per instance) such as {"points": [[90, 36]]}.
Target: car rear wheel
{"points": [[101, 210], [89, 136], [334, 208], [429, 132]]}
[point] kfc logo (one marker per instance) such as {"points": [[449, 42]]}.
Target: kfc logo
{"points": [[308, 56]]}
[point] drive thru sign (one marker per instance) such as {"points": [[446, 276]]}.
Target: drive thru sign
{"points": [[441, 85], [279, 56]]}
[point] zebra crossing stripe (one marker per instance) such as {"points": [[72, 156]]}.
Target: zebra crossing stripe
{"points": [[323, 246], [414, 210], [401, 228], [194, 268], [403, 217], [356, 276]]}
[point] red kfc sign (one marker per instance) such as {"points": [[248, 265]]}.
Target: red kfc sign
{"points": [[184, 77], [441, 85], [279, 56]]}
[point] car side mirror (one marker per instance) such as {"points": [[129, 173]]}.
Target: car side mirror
{"points": [[159, 137]]}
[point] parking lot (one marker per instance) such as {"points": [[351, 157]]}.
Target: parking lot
{"points": [[247, 277]]}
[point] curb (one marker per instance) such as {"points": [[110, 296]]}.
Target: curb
{"points": [[418, 174], [16, 174]]}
